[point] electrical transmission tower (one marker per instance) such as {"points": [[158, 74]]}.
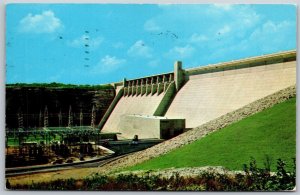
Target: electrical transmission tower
{"points": [[93, 117], [20, 120], [40, 119], [59, 119], [46, 121], [70, 121], [81, 118]]}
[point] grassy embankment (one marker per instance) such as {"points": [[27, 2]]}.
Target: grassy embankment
{"points": [[269, 133]]}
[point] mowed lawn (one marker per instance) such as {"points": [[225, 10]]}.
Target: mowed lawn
{"points": [[269, 133]]}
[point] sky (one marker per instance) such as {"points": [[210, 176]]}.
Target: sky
{"points": [[104, 43]]}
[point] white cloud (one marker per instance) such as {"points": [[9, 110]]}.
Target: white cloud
{"points": [[265, 39], [217, 23], [108, 64], [224, 30], [151, 26], [225, 7], [46, 22], [154, 63], [198, 38], [229, 27], [140, 49], [271, 36], [111, 60], [246, 17], [93, 43], [181, 52], [118, 45], [236, 22]]}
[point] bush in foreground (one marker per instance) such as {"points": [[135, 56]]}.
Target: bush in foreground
{"points": [[253, 179]]}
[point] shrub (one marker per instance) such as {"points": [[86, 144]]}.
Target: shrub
{"points": [[253, 179]]}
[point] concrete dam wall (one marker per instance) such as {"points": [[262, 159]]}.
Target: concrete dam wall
{"points": [[148, 99], [201, 94], [207, 96], [143, 105]]}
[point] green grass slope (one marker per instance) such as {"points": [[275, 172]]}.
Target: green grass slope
{"points": [[271, 132]]}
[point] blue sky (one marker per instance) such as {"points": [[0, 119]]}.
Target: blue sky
{"points": [[103, 43]]}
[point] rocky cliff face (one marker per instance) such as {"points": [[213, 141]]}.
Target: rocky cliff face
{"points": [[28, 104]]}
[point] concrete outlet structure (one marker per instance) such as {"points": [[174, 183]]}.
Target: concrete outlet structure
{"points": [[197, 95], [150, 126]]}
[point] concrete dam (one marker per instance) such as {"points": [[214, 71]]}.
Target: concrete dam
{"points": [[162, 106]]}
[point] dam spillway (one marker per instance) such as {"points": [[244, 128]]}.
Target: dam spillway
{"points": [[200, 94], [143, 105]]}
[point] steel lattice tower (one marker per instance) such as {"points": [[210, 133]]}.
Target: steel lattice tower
{"points": [[40, 119], [81, 117], [59, 119], [20, 120], [70, 121], [46, 121], [93, 117]]}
